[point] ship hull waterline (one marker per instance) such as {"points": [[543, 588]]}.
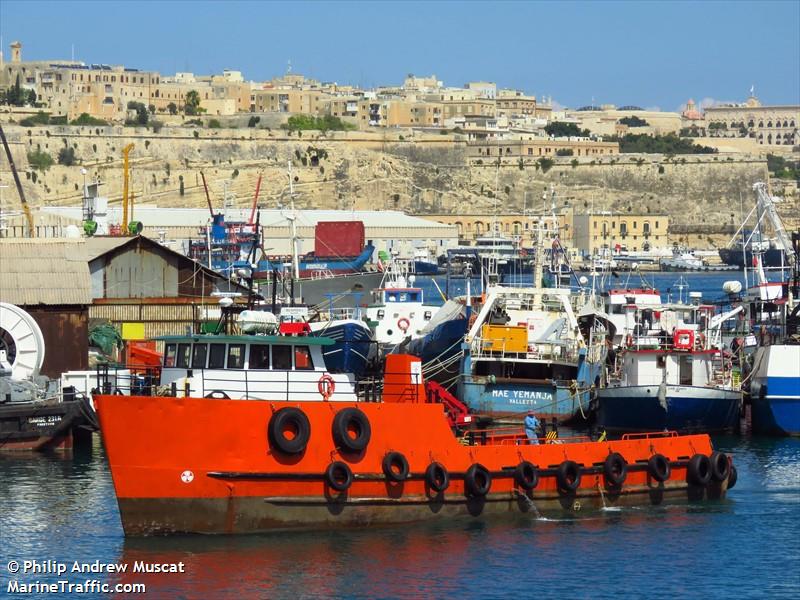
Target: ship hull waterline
{"points": [[215, 469]]}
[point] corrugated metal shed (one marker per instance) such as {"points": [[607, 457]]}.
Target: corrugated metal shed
{"points": [[44, 271]]}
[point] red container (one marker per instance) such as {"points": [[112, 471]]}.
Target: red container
{"points": [[338, 238]]}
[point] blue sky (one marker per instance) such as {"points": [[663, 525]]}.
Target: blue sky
{"points": [[644, 53]]}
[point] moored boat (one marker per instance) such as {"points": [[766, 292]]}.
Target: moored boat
{"points": [[243, 466]]}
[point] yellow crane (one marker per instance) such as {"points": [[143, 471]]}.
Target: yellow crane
{"points": [[25, 208], [125, 180]]}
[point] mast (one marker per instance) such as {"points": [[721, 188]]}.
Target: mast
{"points": [[293, 224]]}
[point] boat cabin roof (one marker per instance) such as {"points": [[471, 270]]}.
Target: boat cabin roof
{"points": [[294, 340]]}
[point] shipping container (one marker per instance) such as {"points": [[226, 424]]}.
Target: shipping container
{"points": [[339, 238]]}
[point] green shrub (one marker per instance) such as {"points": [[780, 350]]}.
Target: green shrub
{"points": [[87, 119], [214, 124], [40, 160]]}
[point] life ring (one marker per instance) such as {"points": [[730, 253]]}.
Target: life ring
{"points": [[526, 475], [658, 468], [351, 430], [326, 386], [437, 477], [720, 466], [477, 480], [293, 421], [568, 476], [403, 324], [339, 476], [395, 467], [698, 471], [629, 340], [733, 477], [615, 469]]}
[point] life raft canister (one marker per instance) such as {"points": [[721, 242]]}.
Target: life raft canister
{"points": [[683, 339]]}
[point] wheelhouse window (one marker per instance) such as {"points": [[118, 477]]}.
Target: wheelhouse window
{"points": [[182, 360], [216, 357], [236, 356], [199, 356], [302, 358], [282, 358], [259, 356], [169, 355]]}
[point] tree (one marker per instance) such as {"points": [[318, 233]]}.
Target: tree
{"points": [[633, 121], [192, 106], [214, 124], [172, 108], [40, 160], [66, 157], [142, 114], [32, 97], [253, 121], [561, 129]]}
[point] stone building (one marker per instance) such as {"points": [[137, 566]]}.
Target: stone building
{"points": [[535, 148], [600, 231], [769, 125]]}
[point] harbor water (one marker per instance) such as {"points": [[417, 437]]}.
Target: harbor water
{"points": [[62, 508]]}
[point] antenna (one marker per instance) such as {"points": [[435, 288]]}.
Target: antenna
{"points": [[73, 52]]}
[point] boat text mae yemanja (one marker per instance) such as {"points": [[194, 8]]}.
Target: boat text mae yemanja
{"points": [[218, 465]]}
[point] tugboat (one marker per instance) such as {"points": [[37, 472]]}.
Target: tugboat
{"points": [[246, 466], [36, 413]]}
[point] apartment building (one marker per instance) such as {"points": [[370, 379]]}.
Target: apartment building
{"points": [[596, 232]]}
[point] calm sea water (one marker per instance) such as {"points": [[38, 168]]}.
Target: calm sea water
{"points": [[746, 546], [62, 508]]}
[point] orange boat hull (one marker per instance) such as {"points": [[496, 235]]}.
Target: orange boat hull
{"points": [[208, 466]]}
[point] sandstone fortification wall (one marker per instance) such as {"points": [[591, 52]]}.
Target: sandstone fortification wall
{"points": [[702, 194]]}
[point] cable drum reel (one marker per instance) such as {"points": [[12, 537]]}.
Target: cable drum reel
{"points": [[22, 340]]}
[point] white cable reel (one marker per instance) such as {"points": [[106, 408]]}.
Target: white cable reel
{"points": [[22, 340]]}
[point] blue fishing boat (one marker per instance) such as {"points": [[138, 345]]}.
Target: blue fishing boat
{"points": [[671, 374], [527, 350], [775, 390], [353, 344]]}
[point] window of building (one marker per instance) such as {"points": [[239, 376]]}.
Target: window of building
{"points": [[259, 356], [282, 358], [236, 356], [199, 356], [216, 358]]}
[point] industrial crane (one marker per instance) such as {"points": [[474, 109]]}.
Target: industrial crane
{"points": [[25, 208], [126, 199]]}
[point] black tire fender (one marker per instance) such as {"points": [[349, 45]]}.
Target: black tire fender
{"points": [[292, 418], [477, 480], [615, 469], [720, 466], [338, 476], [658, 468], [395, 466], [526, 475], [437, 477], [733, 477], [218, 394], [698, 471], [568, 476], [350, 420]]}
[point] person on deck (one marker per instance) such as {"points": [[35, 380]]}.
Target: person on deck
{"points": [[531, 425]]}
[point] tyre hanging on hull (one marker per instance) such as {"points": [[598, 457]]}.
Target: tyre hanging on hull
{"points": [[351, 430], [658, 468], [477, 481], [568, 476], [289, 430], [698, 471]]}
